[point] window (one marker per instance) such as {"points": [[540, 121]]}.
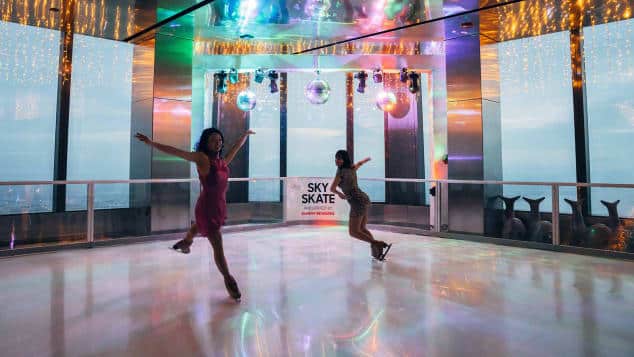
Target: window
{"points": [[315, 132], [609, 65], [369, 139], [536, 115], [264, 147], [28, 98], [100, 117]]}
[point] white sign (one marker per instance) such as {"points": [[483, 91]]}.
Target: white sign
{"points": [[311, 199]]}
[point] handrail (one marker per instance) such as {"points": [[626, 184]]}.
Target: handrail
{"points": [[97, 182], [437, 204], [254, 179]]}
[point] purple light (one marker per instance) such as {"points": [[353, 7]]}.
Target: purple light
{"points": [[452, 9], [12, 242], [465, 157], [306, 343]]}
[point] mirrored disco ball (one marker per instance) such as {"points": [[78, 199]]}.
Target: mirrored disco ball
{"points": [[403, 103], [317, 91], [386, 101], [246, 100]]}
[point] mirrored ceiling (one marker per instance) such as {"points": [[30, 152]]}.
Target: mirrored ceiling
{"points": [[264, 28], [294, 25]]}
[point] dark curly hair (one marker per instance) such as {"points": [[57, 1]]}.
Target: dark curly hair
{"points": [[203, 142]]}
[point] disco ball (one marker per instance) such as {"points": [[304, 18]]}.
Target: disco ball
{"points": [[246, 100], [317, 91], [386, 101], [403, 103]]}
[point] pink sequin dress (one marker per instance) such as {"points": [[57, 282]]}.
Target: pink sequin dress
{"points": [[211, 207]]}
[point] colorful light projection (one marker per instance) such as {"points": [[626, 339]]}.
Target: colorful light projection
{"points": [[246, 12], [317, 9]]}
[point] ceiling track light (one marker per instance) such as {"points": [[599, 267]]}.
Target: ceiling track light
{"points": [[233, 76], [361, 76], [413, 86], [221, 82], [377, 76], [259, 75], [273, 76], [403, 75]]}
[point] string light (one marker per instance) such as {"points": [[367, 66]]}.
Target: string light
{"points": [[91, 16], [241, 47], [534, 18]]}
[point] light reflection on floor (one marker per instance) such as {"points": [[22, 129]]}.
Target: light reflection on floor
{"points": [[314, 291]]}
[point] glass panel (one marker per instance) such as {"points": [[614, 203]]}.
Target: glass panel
{"points": [[259, 212], [28, 221], [100, 118], [609, 229], [536, 112], [315, 132], [264, 146], [28, 95], [479, 209], [609, 67], [405, 215], [136, 219], [164, 208], [369, 138], [25, 199]]}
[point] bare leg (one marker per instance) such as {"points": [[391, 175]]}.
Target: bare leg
{"points": [[364, 228], [378, 247], [354, 229], [215, 238]]}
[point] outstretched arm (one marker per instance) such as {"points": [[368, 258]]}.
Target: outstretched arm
{"points": [[236, 147], [170, 150], [360, 163]]}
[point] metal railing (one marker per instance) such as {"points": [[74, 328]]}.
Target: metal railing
{"points": [[441, 185]]}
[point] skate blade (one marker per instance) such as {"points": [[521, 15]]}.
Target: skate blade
{"points": [[382, 257]]}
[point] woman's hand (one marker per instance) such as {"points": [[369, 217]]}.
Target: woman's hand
{"points": [[249, 132], [142, 138], [341, 195]]}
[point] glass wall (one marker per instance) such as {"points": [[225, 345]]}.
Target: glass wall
{"points": [[536, 114], [28, 97], [609, 69], [315, 132], [264, 147], [100, 117], [369, 138]]}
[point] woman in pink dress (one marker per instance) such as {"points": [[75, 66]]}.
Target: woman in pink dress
{"points": [[211, 207]]}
